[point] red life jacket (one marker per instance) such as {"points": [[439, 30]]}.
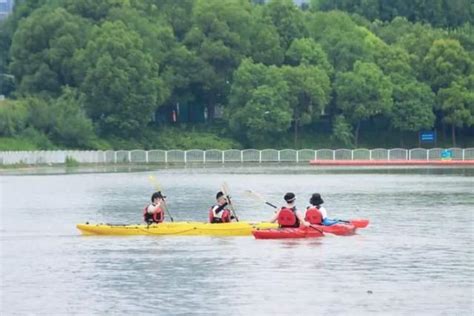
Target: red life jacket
{"points": [[313, 216], [155, 217], [287, 217], [225, 217]]}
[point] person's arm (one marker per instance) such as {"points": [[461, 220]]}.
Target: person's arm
{"points": [[219, 208], [155, 208], [275, 217], [301, 219], [323, 212]]}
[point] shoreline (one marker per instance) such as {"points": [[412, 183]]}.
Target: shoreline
{"points": [[334, 167]]}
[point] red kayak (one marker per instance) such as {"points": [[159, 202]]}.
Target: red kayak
{"points": [[282, 233], [359, 222], [341, 229]]}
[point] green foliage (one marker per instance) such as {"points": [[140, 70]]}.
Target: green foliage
{"points": [[13, 117], [71, 127], [309, 92], [178, 138], [342, 40], [436, 12], [38, 138], [446, 62], [84, 69], [70, 162], [42, 50], [16, 143], [287, 19], [342, 131], [307, 52], [120, 82], [363, 93], [457, 102], [413, 106], [259, 107]]}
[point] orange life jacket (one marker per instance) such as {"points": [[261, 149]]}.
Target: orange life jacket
{"points": [[313, 216], [287, 217], [155, 217]]}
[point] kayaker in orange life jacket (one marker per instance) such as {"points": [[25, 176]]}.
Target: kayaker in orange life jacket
{"points": [[218, 213], [288, 216], [317, 214], [154, 212]]}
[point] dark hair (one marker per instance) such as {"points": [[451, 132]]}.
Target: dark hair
{"points": [[157, 195], [219, 195], [316, 199], [289, 197]]}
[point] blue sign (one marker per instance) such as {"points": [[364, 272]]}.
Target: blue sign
{"points": [[447, 154], [428, 136]]}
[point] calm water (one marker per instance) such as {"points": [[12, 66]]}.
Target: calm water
{"points": [[415, 258]]}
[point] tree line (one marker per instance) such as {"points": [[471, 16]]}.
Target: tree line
{"points": [[84, 69]]}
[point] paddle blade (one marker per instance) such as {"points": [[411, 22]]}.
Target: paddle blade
{"points": [[255, 195], [154, 182]]}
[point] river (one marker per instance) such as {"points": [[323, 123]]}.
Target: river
{"points": [[415, 258]]}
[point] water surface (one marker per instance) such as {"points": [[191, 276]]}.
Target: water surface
{"points": [[416, 257]]}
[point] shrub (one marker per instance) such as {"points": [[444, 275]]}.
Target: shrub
{"points": [[13, 117]]}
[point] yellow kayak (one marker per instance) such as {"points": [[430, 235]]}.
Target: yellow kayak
{"points": [[175, 228]]}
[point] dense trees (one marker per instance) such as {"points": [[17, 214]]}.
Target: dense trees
{"points": [[435, 12], [83, 68]]}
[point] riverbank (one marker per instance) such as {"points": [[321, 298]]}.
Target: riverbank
{"points": [[237, 168]]}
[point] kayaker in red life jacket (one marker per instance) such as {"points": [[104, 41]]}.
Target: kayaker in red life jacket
{"points": [[153, 213], [218, 213], [288, 216], [317, 214]]}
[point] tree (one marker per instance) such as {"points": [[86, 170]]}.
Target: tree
{"points": [[363, 93], [265, 41], [436, 12], [264, 116], [287, 19], [71, 127], [13, 117], [95, 10], [42, 50], [307, 51], [220, 36], [157, 36], [120, 81], [446, 62], [342, 130], [413, 105], [258, 103], [341, 39], [457, 104], [309, 93]]}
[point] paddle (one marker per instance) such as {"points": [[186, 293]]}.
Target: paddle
{"points": [[358, 223], [225, 190], [262, 199], [157, 186]]}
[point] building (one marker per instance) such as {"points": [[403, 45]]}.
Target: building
{"points": [[6, 7]]}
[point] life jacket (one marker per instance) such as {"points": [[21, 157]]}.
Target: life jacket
{"points": [[313, 216], [224, 218], [155, 217], [287, 217]]}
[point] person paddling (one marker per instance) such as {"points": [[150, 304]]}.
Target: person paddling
{"points": [[288, 216], [153, 213], [317, 214], [218, 213]]}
